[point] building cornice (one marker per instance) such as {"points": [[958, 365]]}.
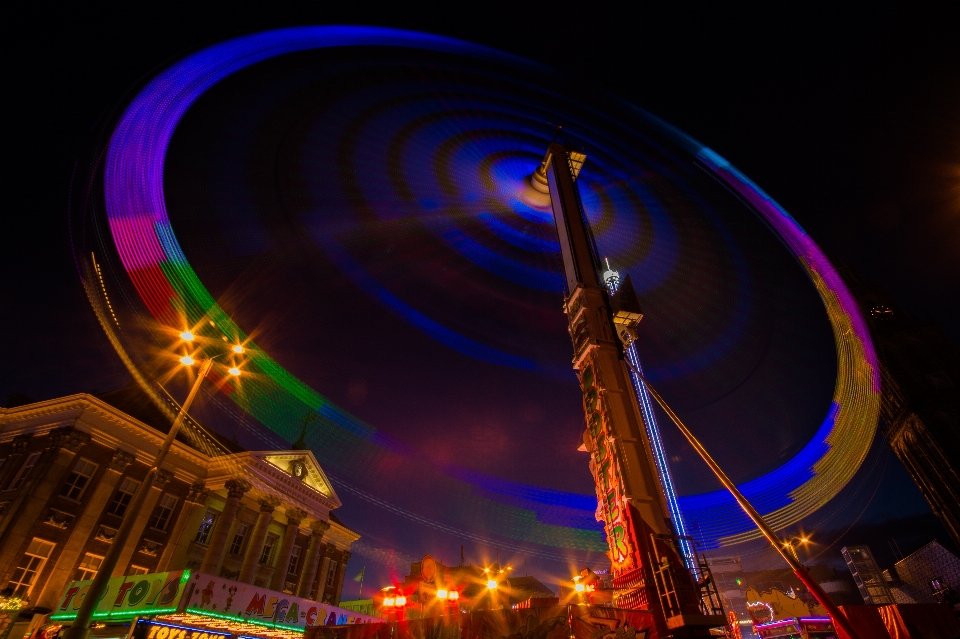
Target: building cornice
{"points": [[107, 426]]}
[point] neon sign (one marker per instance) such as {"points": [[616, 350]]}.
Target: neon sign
{"points": [[126, 597], [157, 630]]}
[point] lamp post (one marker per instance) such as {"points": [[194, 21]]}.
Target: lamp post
{"points": [[790, 545], [80, 628], [492, 586]]}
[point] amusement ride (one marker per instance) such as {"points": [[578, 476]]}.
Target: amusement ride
{"points": [[449, 160]]}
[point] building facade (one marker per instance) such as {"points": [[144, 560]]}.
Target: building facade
{"points": [[929, 575], [69, 467], [920, 404]]}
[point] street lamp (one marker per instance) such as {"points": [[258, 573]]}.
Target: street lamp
{"points": [[80, 628], [789, 544]]}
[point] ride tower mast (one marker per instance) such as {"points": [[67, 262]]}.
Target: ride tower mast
{"points": [[648, 572]]}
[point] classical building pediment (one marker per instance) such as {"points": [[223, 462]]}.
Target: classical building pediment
{"points": [[303, 466], [292, 476]]}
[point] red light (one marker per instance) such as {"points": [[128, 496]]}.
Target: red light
{"points": [[401, 601]]}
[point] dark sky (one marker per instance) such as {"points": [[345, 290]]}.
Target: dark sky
{"points": [[849, 119]]}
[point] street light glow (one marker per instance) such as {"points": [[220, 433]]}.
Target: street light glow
{"points": [[401, 601], [238, 349], [186, 360], [187, 336], [579, 587], [234, 371], [441, 594], [389, 602], [454, 595], [492, 584]]}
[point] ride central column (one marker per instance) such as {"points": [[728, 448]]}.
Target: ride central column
{"points": [[647, 570]]}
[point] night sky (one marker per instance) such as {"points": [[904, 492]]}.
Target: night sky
{"points": [[848, 119]]}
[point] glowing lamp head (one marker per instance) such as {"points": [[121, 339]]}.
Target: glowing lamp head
{"points": [[237, 349], [492, 584], [400, 601], [389, 602], [441, 594], [579, 587], [804, 540], [187, 336], [453, 595], [234, 371], [186, 360]]}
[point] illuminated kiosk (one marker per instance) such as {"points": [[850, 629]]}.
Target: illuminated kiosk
{"points": [[648, 571], [185, 604], [797, 628]]}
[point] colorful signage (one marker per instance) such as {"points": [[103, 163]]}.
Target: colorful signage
{"points": [[159, 630], [126, 597], [227, 599], [607, 471]]}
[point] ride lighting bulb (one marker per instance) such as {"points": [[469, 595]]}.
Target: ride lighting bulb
{"points": [[389, 601], [238, 349], [401, 601], [579, 588], [186, 360], [441, 594], [186, 336]]}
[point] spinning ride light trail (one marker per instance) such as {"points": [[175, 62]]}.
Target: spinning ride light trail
{"points": [[151, 255]]}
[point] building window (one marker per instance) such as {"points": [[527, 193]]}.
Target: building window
{"points": [[137, 570], [206, 527], [332, 573], [78, 479], [25, 575], [239, 536], [88, 567], [266, 553], [294, 564], [121, 499], [24, 471], [161, 516]]}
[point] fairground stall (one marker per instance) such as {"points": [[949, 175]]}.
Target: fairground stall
{"points": [[797, 628], [552, 622], [193, 605]]}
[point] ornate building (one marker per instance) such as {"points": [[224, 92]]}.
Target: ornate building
{"points": [[920, 406], [69, 467]]}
